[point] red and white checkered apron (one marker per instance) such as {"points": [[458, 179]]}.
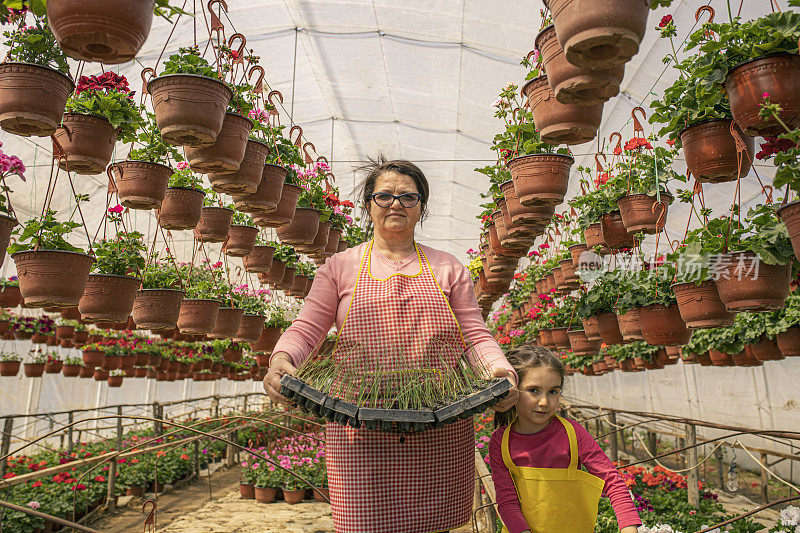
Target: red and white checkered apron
{"points": [[378, 482]]}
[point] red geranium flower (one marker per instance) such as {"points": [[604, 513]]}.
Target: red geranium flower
{"points": [[774, 146], [638, 142], [666, 19]]}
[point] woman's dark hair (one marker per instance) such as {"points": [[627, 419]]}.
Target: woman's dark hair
{"points": [[378, 166], [522, 359]]}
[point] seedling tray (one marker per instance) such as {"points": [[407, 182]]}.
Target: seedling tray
{"points": [[401, 420]]}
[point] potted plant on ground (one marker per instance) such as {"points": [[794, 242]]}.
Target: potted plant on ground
{"points": [[158, 303], [9, 364], [267, 481]]}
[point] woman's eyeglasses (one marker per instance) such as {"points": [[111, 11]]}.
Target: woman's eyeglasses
{"points": [[407, 200]]}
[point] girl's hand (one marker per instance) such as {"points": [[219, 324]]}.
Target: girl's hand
{"points": [[513, 395], [272, 381], [629, 529]]}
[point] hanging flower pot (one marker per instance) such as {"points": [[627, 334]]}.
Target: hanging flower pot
{"points": [[700, 305], [720, 358], [108, 298], [303, 227], [227, 152], [518, 235], [198, 315], [593, 235], [745, 283], [608, 328], [546, 338], [227, 323], [320, 240], [52, 278], [343, 245], [32, 98], [140, 184], [576, 252], [181, 208], [71, 371], [288, 278], [333, 242], [591, 328], [7, 224], [510, 247], [250, 328], [247, 179], [260, 259], [189, 109], [599, 35], [267, 196], [744, 358], [541, 179], [267, 341], [86, 142], [560, 123], [9, 368], [497, 248], [642, 213], [662, 325], [53, 366], [581, 344], [214, 225], [615, 234], [33, 370], [106, 31], [298, 287], [765, 349], [276, 272], [779, 76], [10, 296], [710, 151], [560, 338], [790, 215], [789, 342], [157, 309], [576, 85], [241, 240], [115, 381], [537, 217]]}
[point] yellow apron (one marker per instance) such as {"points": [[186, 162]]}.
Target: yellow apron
{"points": [[562, 500]]}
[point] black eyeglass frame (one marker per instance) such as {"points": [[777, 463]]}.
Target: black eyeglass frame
{"points": [[396, 197]]}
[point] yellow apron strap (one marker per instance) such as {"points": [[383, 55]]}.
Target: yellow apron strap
{"points": [[504, 446], [573, 449]]}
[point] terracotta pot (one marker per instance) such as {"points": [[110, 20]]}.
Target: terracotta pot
{"points": [[140, 184], [663, 326], [214, 225], [227, 153], [720, 358], [560, 123], [320, 240], [9, 368], [135, 491], [93, 358], [511, 248], [247, 491], [593, 235], [80, 337], [319, 497], [241, 240], [303, 227], [288, 278], [700, 305], [111, 362], [157, 309], [591, 328], [576, 85], [71, 371], [744, 358], [608, 328], [198, 315], [189, 109], [33, 370], [227, 323], [599, 35], [558, 275], [541, 179], [276, 272], [181, 208], [642, 213], [65, 332], [53, 367], [790, 215], [266, 197], [545, 338], [581, 344], [86, 141], [284, 211], [114, 381], [333, 242], [615, 234], [789, 342], [52, 278], [518, 234], [576, 251], [32, 98], [108, 299], [765, 349], [298, 286], [294, 496], [710, 151], [777, 75], [86, 372], [747, 284], [497, 248], [269, 337], [560, 338], [247, 179], [10, 296], [7, 224], [568, 271], [265, 494], [260, 259], [535, 218]]}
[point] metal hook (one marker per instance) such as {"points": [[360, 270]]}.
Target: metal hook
{"points": [[297, 142], [597, 161], [325, 159], [333, 178], [637, 126], [216, 24], [145, 79], [308, 158], [704, 9], [274, 110], [150, 521], [239, 58], [618, 147], [259, 85]]}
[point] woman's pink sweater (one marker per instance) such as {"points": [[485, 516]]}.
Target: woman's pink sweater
{"points": [[332, 291], [549, 448]]}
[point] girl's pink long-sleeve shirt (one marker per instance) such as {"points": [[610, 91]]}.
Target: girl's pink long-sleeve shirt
{"points": [[549, 448], [332, 292]]}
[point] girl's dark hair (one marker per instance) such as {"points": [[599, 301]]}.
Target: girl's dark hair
{"points": [[378, 166], [523, 358]]}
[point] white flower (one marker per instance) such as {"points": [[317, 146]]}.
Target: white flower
{"points": [[790, 516]]}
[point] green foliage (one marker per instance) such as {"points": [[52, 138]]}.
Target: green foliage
{"points": [[161, 274], [645, 287], [277, 318], [601, 297], [150, 146], [241, 218], [46, 233], [647, 172], [165, 10], [787, 158], [641, 349], [35, 44], [183, 176], [121, 256], [285, 253], [189, 61], [115, 106]]}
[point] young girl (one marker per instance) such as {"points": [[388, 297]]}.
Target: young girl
{"points": [[536, 457]]}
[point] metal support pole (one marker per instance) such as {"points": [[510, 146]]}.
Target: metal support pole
{"points": [[215, 405], [244, 404], [764, 478], [70, 442], [612, 419], [111, 500], [652, 442], [158, 428], [196, 458], [5, 443], [230, 459], [691, 459], [720, 468]]}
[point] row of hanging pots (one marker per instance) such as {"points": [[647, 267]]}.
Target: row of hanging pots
{"points": [[609, 234]]}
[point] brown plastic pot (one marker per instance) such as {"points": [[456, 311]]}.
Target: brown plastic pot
{"points": [[250, 328], [720, 358], [7, 224], [100, 374], [197, 315], [303, 227], [276, 272], [789, 342], [52, 278], [615, 234], [560, 338], [744, 358], [227, 324], [298, 287], [593, 235], [10, 296], [267, 341], [568, 271], [248, 177], [106, 31], [560, 123], [241, 240], [663, 326], [33, 370], [140, 184], [331, 246], [86, 142], [747, 284], [591, 328], [518, 234], [247, 491], [576, 85], [260, 259], [267, 195], [790, 215], [581, 344], [765, 349], [288, 278], [265, 494], [114, 381], [86, 372], [540, 179], [700, 305], [642, 213], [214, 225], [546, 338], [53, 367], [778, 75], [93, 358], [181, 208], [535, 217], [497, 248], [285, 211], [710, 151], [511, 248], [576, 251], [108, 298], [65, 332], [599, 35], [32, 98], [608, 328], [9, 368], [157, 309], [71, 371], [343, 245], [226, 154], [189, 109], [320, 240]]}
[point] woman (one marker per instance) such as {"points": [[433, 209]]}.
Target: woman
{"points": [[387, 295]]}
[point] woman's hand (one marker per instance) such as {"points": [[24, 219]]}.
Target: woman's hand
{"points": [[281, 364], [513, 395]]}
